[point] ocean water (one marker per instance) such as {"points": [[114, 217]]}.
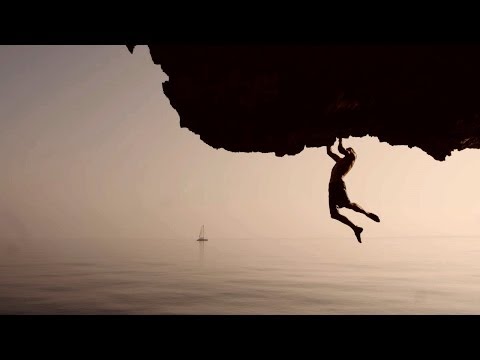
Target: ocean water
{"points": [[244, 276]]}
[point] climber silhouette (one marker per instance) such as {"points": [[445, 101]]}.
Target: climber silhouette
{"points": [[337, 191]]}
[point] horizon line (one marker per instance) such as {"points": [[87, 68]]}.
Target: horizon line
{"points": [[230, 238]]}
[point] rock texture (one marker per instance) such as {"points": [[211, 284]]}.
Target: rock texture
{"points": [[282, 98]]}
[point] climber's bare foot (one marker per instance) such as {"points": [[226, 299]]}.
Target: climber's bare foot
{"points": [[373, 217], [358, 230]]}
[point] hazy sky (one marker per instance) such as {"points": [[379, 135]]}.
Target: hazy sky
{"points": [[91, 148]]}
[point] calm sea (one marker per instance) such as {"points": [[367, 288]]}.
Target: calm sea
{"points": [[244, 276]]}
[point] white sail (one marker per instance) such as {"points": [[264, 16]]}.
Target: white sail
{"points": [[201, 237]]}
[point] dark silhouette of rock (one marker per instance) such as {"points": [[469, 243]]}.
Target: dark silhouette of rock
{"points": [[281, 98]]}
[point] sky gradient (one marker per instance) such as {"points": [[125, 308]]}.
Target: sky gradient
{"points": [[90, 148]]}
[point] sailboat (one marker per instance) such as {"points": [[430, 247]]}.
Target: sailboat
{"points": [[201, 237]]}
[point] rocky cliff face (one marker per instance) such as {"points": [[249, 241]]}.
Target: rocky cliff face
{"points": [[283, 98]]}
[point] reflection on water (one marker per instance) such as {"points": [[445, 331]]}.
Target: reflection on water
{"points": [[281, 276], [201, 246]]}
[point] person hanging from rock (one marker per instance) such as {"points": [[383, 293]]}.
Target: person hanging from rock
{"points": [[337, 191]]}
